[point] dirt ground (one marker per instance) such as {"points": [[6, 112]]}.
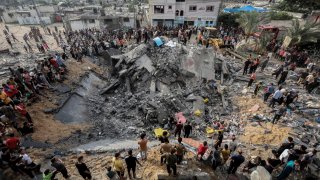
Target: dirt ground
{"points": [[264, 133], [149, 169]]}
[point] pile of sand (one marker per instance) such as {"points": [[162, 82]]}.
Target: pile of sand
{"points": [[262, 135]]}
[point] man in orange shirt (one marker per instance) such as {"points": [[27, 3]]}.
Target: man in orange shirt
{"points": [[143, 146]]}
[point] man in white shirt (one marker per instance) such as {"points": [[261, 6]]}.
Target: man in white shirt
{"points": [[275, 98]]}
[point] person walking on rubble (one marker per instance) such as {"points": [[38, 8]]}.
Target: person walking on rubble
{"points": [[178, 129], [247, 63], [83, 169], [253, 77], [279, 113], [171, 161], [58, 164], [268, 91], [236, 161], [181, 150], [165, 149], [131, 163], [187, 130]]}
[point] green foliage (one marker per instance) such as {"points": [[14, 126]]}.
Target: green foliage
{"points": [[301, 6], [278, 15], [228, 19], [262, 43], [302, 34], [249, 22]]}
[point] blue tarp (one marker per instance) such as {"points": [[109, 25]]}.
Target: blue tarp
{"points": [[245, 9], [158, 41]]}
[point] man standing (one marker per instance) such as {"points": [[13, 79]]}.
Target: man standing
{"points": [[268, 91], [233, 144], [165, 149], [58, 164], [143, 146], [219, 140], [171, 162], [264, 64], [283, 77], [83, 169], [180, 150], [178, 129], [247, 63], [275, 98], [236, 161], [253, 77], [187, 130], [131, 163], [280, 112]]}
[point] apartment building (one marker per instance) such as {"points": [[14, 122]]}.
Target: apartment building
{"points": [[184, 12]]}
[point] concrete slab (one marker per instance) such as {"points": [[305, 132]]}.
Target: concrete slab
{"points": [[74, 110], [200, 62], [90, 84], [108, 145], [145, 62]]}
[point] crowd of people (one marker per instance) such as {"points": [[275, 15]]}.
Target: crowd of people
{"points": [[24, 87]]}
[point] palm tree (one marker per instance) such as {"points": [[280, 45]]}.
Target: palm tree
{"points": [[301, 34], [249, 22]]}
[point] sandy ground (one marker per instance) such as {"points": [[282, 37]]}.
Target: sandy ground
{"points": [[149, 169], [267, 133]]}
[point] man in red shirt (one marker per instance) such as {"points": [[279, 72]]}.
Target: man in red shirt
{"points": [[12, 143], [202, 149]]}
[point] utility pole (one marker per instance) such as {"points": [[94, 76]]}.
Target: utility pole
{"points": [[40, 19]]}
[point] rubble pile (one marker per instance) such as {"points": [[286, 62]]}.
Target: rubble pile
{"points": [[150, 84]]}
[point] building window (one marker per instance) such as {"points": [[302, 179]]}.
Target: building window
{"points": [[91, 20], [210, 8], [158, 9], [126, 19], [181, 13], [192, 8], [169, 7], [107, 21], [177, 12], [180, 0]]}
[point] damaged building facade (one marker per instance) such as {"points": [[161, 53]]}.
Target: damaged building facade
{"points": [[184, 12]]}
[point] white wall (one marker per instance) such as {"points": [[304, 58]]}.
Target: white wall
{"points": [[200, 13], [168, 13], [81, 24], [130, 23]]}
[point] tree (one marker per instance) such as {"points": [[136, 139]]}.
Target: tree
{"points": [[228, 19], [299, 5], [302, 34], [249, 22]]}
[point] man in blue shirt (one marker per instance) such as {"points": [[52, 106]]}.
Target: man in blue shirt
{"points": [[275, 98], [236, 161], [288, 169]]}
